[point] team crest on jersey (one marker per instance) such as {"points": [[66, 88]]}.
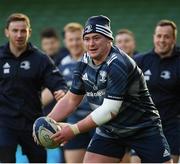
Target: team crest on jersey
{"points": [[88, 29], [165, 75], [25, 65], [103, 75]]}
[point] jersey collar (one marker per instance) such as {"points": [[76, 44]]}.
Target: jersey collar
{"points": [[8, 53]]}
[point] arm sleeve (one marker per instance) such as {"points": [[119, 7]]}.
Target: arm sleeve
{"points": [[107, 111], [51, 76], [117, 81], [77, 86]]}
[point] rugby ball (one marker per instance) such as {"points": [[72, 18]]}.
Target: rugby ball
{"points": [[43, 129]]}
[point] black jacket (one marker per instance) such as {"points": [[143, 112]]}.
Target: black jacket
{"points": [[21, 81], [163, 80]]}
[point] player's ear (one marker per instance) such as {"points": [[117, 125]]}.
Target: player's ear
{"points": [[30, 32], [6, 32], [109, 41]]}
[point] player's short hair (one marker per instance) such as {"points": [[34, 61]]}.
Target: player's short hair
{"points": [[73, 26], [125, 31], [18, 17], [49, 33], [165, 22]]}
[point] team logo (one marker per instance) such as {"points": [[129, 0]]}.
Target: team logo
{"points": [[165, 75], [25, 65], [88, 29], [95, 87], [85, 77], [6, 68], [103, 75], [166, 153], [147, 75]]}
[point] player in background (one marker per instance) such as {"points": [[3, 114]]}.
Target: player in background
{"points": [[125, 40], [51, 45], [24, 70], [161, 68], [75, 149], [124, 112]]}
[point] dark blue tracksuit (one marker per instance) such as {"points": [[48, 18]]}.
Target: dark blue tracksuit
{"points": [[163, 81], [21, 81]]}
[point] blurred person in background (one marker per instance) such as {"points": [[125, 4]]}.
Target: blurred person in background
{"points": [[125, 40], [75, 149], [161, 68], [51, 45], [25, 70]]}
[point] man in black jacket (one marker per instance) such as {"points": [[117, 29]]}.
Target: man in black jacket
{"points": [[24, 71], [161, 68]]}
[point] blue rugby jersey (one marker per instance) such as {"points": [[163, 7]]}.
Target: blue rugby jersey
{"points": [[163, 81], [118, 78], [66, 67]]}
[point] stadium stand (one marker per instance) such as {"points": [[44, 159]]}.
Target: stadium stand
{"points": [[139, 16]]}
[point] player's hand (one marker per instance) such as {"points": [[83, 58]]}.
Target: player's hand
{"points": [[59, 94], [65, 134]]}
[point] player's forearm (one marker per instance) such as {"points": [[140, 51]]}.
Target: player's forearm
{"points": [[86, 124], [61, 110], [65, 106]]}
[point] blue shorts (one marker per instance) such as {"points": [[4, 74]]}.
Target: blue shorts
{"points": [[172, 134], [10, 138], [150, 148]]}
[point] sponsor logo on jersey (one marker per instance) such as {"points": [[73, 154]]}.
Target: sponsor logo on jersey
{"points": [[85, 77], [96, 94], [165, 75], [166, 153], [6, 68], [147, 75]]}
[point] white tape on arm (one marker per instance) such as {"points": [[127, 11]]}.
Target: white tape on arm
{"points": [[104, 112], [75, 129]]}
